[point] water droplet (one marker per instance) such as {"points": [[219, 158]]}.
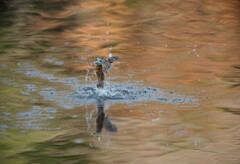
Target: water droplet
{"points": [[78, 140], [74, 116], [90, 145]]}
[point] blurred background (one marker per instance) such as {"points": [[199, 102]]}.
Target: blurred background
{"points": [[186, 50]]}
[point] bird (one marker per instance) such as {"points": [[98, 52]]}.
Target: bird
{"points": [[106, 64], [103, 66]]}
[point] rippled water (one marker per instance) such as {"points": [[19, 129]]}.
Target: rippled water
{"points": [[172, 98]]}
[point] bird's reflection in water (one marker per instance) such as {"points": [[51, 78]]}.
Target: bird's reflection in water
{"points": [[102, 120]]}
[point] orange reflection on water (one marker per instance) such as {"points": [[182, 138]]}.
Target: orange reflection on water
{"points": [[188, 47]]}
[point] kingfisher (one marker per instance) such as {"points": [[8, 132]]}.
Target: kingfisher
{"points": [[103, 66]]}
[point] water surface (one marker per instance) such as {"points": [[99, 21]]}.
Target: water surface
{"points": [[172, 98]]}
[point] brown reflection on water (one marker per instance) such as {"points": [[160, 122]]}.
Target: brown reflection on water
{"points": [[187, 47]]}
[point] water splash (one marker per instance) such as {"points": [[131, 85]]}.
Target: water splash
{"points": [[128, 92], [87, 94]]}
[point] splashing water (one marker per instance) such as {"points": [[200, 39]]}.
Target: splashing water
{"points": [[128, 92], [125, 92], [86, 94]]}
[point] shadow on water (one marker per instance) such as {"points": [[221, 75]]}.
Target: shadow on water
{"points": [[56, 150], [102, 120]]}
